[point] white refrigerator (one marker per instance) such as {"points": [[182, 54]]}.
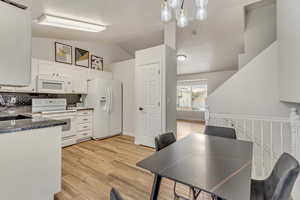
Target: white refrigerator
{"points": [[105, 96]]}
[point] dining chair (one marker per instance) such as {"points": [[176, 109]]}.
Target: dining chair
{"points": [[161, 142], [279, 185], [220, 132], [114, 195], [164, 140]]}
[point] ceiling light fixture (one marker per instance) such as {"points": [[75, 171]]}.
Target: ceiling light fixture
{"points": [[62, 22], [181, 58], [182, 19]]}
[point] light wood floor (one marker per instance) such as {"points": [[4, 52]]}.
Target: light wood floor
{"points": [[90, 169]]}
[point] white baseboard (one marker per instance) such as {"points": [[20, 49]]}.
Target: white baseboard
{"points": [[128, 133]]}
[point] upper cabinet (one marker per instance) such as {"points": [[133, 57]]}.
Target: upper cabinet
{"points": [[288, 33], [74, 78], [15, 43], [31, 88]]}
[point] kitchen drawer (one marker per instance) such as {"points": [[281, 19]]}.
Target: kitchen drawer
{"points": [[84, 112], [83, 119], [84, 127], [84, 134]]}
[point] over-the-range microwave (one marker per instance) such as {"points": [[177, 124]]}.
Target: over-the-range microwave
{"points": [[53, 84]]}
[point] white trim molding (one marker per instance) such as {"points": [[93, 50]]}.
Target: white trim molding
{"points": [[271, 137]]}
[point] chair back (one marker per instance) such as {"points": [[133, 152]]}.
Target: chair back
{"points": [[114, 195], [164, 140], [280, 184], [220, 132]]}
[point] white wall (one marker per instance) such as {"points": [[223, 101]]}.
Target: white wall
{"points": [[43, 48], [289, 48], [124, 71], [190, 115], [260, 31], [214, 79], [253, 90]]}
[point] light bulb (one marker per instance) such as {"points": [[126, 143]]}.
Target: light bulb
{"points": [[166, 13], [201, 14], [181, 58], [201, 3], [174, 3], [182, 19]]}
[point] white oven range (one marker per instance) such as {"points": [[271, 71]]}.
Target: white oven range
{"points": [[56, 109]]}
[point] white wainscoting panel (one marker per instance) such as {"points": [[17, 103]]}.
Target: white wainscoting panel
{"points": [[270, 136]]}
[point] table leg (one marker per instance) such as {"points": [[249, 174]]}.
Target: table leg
{"points": [[155, 187]]}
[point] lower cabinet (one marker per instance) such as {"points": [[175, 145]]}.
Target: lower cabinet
{"points": [[84, 125]]}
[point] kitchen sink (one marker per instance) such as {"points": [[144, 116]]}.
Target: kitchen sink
{"points": [[15, 117]]}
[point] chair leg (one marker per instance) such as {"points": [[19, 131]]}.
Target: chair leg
{"points": [[214, 197], [176, 196], [196, 193]]}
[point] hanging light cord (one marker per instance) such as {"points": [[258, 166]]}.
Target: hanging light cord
{"points": [[182, 4]]}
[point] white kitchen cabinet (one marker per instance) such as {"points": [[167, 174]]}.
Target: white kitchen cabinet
{"points": [[84, 125], [15, 45], [79, 80], [34, 73], [155, 86], [80, 86], [33, 168], [48, 68]]}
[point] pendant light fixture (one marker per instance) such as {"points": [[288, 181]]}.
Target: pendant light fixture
{"points": [[174, 3], [201, 14], [182, 20], [166, 12], [201, 3]]}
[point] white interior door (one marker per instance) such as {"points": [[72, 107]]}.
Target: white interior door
{"points": [[148, 101]]}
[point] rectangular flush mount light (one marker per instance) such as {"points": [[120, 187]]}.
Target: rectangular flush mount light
{"points": [[62, 22]]}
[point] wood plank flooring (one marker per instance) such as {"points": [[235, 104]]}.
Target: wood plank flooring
{"points": [[90, 169]]}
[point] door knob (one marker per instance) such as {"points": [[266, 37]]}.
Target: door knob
{"points": [[141, 109]]}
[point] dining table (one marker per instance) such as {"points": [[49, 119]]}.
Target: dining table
{"points": [[219, 166]]}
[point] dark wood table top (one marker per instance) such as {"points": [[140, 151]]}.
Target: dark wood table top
{"points": [[217, 165]]}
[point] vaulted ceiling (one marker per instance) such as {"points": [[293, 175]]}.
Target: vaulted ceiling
{"points": [[135, 24]]}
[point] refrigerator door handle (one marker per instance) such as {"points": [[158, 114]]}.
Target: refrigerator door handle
{"points": [[110, 99], [106, 107]]}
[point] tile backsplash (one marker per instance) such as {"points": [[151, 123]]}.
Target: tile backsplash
{"points": [[24, 99]]}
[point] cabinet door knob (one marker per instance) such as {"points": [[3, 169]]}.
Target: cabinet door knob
{"points": [[141, 109]]}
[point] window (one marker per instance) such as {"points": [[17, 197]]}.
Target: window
{"points": [[191, 96]]}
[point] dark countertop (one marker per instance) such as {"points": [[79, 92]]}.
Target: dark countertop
{"points": [[12, 126], [79, 108], [85, 109]]}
